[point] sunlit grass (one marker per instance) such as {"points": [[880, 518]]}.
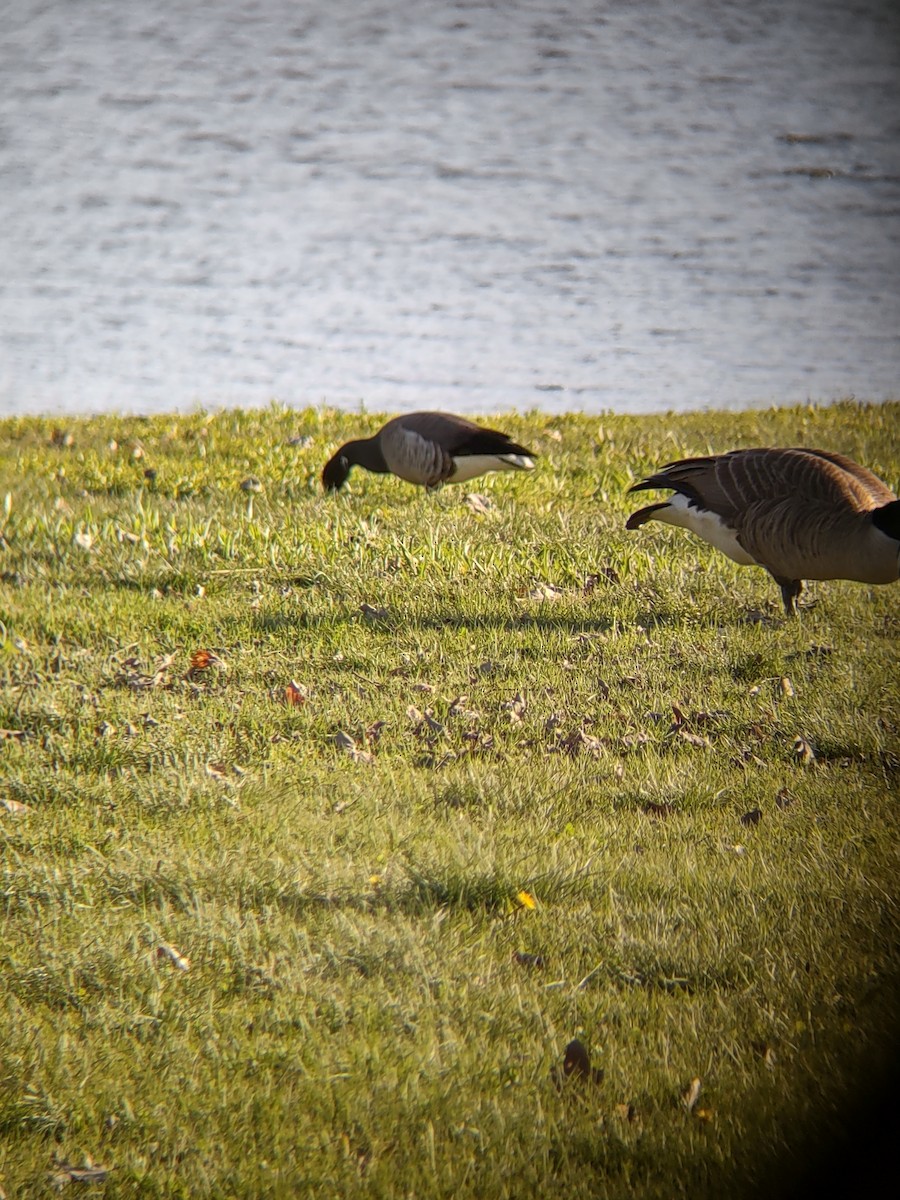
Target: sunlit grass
{"points": [[416, 713]]}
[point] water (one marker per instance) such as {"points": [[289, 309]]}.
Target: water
{"points": [[470, 206]]}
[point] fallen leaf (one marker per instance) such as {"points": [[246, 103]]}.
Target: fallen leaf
{"points": [[783, 798], [753, 817], [610, 574], [59, 437], [627, 1112], [15, 808], [347, 745], [13, 735], [66, 1173], [691, 1095], [693, 739], [660, 811], [533, 961], [526, 900], [433, 724], [804, 751], [544, 591], [295, 694], [478, 503], [516, 707], [175, 957], [371, 613], [202, 660]]}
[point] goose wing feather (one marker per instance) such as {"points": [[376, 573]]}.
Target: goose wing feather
{"points": [[730, 484]]}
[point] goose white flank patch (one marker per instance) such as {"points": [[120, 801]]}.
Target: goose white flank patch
{"points": [[799, 513], [429, 449]]}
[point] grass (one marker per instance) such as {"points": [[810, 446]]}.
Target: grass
{"points": [[306, 899]]}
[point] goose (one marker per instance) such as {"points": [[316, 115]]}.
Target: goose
{"points": [[428, 448], [799, 513]]}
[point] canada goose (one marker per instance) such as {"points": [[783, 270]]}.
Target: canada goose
{"points": [[801, 514], [429, 448]]}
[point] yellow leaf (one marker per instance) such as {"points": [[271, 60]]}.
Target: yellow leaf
{"points": [[526, 900]]}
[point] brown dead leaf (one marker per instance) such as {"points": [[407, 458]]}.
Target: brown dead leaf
{"points": [[753, 817], [515, 707], [660, 811], [626, 1112], [373, 732], [804, 751], [544, 591], [533, 961], [203, 660], [175, 957], [66, 1173], [372, 613], [578, 741], [679, 715], [13, 735], [783, 798], [348, 746], [608, 574], [434, 726], [295, 694], [478, 503], [693, 739], [691, 1095], [15, 808]]}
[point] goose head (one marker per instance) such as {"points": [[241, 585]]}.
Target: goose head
{"points": [[335, 471]]}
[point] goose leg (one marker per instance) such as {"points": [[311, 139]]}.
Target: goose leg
{"points": [[790, 590]]}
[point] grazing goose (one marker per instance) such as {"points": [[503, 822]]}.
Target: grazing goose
{"points": [[801, 514], [428, 448]]}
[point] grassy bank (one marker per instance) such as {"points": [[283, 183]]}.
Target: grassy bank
{"points": [[327, 823]]}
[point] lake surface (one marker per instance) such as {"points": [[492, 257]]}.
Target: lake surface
{"points": [[471, 206]]}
